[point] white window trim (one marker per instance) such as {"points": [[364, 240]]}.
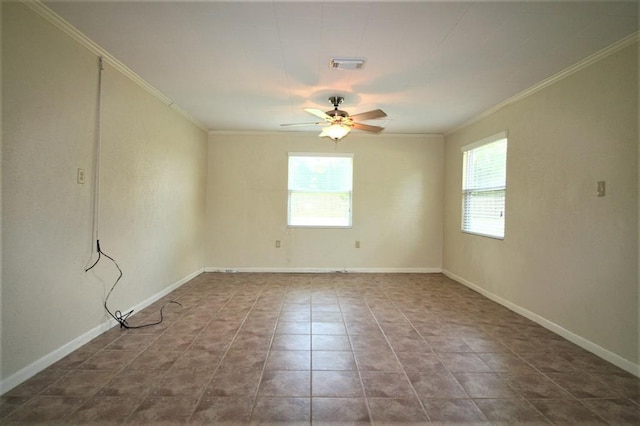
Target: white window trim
{"points": [[322, 154], [471, 146], [484, 141]]}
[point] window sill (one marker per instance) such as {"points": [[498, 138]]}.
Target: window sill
{"points": [[493, 237], [320, 226]]}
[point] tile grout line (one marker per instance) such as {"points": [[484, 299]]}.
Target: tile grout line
{"points": [[385, 291], [364, 392], [215, 370], [545, 374], [424, 410], [114, 372], [451, 373], [264, 365]]}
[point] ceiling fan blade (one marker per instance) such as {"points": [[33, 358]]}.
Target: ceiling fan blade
{"points": [[368, 128], [369, 115], [302, 124], [318, 113]]}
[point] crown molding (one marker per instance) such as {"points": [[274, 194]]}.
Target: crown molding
{"points": [[584, 63], [97, 50]]}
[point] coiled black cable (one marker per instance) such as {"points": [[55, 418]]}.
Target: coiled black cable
{"points": [[118, 315]]}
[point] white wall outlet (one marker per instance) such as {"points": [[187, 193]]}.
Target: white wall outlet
{"points": [[602, 189], [277, 243], [81, 176]]}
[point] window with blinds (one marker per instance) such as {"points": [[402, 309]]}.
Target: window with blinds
{"points": [[484, 183], [320, 189]]}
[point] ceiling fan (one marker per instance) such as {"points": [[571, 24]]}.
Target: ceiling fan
{"points": [[339, 123]]}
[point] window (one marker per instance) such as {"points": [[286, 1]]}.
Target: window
{"points": [[484, 182], [320, 188]]}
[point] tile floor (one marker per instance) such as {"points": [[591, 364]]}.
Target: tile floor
{"points": [[327, 349]]}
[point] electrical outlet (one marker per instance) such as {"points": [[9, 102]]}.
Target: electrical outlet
{"points": [[277, 243], [81, 176], [602, 190]]}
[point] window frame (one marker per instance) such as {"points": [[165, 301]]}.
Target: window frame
{"points": [[289, 190], [467, 189]]}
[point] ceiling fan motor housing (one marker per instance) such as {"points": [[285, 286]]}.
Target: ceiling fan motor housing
{"points": [[336, 101], [337, 113]]}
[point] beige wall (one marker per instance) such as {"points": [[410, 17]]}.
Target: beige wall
{"points": [[568, 256], [397, 204], [153, 194]]}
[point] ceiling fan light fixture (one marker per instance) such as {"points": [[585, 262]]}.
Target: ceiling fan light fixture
{"points": [[346, 63], [339, 123], [335, 131]]}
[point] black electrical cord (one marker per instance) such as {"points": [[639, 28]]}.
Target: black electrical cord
{"points": [[118, 315]]}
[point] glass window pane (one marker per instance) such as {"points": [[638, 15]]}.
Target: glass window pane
{"points": [[320, 190], [322, 174], [484, 212], [319, 209]]}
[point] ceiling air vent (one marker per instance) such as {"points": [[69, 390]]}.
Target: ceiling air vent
{"points": [[346, 64]]}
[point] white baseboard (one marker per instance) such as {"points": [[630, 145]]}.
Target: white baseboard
{"points": [[324, 270], [35, 367], [586, 344], [32, 369]]}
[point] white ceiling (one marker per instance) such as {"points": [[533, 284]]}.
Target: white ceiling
{"points": [[431, 66]]}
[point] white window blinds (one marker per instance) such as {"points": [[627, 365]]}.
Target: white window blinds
{"points": [[320, 189], [484, 182]]}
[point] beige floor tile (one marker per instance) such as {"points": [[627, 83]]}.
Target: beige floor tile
{"points": [[327, 349]]}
